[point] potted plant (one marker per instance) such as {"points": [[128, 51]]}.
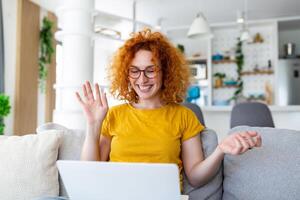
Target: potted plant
{"points": [[4, 110], [219, 79]]}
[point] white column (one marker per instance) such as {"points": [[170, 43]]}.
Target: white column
{"points": [[75, 18]]}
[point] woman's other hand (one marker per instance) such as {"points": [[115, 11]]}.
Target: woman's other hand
{"points": [[239, 143], [94, 108]]}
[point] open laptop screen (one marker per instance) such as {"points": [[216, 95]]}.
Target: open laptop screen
{"points": [[91, 180]]}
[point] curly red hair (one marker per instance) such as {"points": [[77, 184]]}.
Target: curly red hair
{"points": [[173, 64]]}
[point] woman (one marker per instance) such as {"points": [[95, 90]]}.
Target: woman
{"points": [[152, 76]]}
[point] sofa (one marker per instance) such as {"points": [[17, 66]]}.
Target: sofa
{"points": [[28, 169]]}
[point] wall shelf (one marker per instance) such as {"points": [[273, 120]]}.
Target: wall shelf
{"points": [[196, 60], [224, 62], [226, 86], [260, 72]]}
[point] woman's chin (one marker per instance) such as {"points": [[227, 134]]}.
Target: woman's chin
{"points": [[146, 96]]}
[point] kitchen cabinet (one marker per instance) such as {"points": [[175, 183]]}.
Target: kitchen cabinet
{"points": [[289, 32]]}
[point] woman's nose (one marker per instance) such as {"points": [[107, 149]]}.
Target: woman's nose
{"points": [[143, 77]]}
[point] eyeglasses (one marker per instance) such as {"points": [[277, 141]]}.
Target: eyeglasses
{"points": [[149, 72]]}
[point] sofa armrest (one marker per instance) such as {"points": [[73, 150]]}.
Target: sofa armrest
{"points": [[213, 189]]}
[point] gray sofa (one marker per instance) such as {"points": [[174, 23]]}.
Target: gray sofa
{"points": [[269, 172]]}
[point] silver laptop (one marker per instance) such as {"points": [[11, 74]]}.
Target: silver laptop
{"points": [[88, 180]]}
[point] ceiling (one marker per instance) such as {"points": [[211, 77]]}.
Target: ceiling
{"points": [[182, 12], [178, 13]]}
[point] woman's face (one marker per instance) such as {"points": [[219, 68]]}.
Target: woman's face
{"points": [[145, 78]]}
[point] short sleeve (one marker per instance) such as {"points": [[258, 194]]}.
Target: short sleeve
{"points": [[105, 129], [192, 126]]}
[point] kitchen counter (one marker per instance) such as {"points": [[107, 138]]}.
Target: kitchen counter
{"points": [[291, 108]]}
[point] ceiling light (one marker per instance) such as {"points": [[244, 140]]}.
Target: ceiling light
{"points": [[240, 17], [199, 28], [108, 32], [245, 35]]}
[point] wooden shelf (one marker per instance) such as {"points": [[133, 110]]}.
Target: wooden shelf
{"points": [[256, 43], [224, 62], [226, 86], [260, 72], [196, 60]]}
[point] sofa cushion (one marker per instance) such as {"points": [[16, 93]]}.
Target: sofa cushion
{"points": [[213, 189], [72, 140], [70, 148], [28, 166], [269, 172]]}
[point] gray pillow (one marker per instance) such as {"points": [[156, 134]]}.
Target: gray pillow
{"points": [[70, 148], [72, 141], [269, 172], [213, 189]]}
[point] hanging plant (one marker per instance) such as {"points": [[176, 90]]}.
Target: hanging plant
{"points": [[239, 57], [4, 111], [46, 51]]}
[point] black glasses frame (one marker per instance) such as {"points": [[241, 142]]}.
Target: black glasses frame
{"points": [[144, 72]]}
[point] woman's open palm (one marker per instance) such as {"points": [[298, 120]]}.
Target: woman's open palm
{"points": [[94, 108]]}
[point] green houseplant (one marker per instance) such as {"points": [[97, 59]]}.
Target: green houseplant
{"points": [[4, 110], [181, 48], [239, 58], [46, 51]]}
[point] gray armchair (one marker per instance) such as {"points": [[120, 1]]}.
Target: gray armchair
{"points": [[196, 109], [251, 114]]}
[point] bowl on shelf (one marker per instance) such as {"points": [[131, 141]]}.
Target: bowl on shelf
{"points": [[230, 82], [217, 57]]}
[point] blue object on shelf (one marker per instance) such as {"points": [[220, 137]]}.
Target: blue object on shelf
{"points": [[193, 93], [217, 57], [231, 82]]}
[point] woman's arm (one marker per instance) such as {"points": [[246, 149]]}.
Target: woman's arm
{"points": [[199, 170], [95, 108], [95, 147]]}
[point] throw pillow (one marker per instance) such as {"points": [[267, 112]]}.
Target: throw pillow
{"points": [[70, 148], [28, 166]]}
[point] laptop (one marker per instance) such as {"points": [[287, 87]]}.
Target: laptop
{"points": [[91, 180]]}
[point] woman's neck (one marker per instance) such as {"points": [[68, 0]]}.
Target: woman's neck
{"points": [[149, 104]]}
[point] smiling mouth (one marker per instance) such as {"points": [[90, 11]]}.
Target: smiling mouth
{"points": [[144, 88]]}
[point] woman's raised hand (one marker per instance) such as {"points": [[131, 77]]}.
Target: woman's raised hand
{"points": [[239, 143], [94, 107]]}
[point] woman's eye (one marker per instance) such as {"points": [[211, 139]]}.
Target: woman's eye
{"points": [[134, 71]]}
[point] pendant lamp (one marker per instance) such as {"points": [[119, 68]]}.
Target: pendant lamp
{"points": [[199, 28]]}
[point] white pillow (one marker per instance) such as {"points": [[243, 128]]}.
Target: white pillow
{"points": [[71, 145], [28, 166]]}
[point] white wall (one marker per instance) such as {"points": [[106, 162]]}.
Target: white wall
{"points": [[41, 109], [10, 24], [191, 46], [103, 52]]}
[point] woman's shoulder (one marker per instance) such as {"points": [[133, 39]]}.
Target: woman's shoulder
{"points": [[180, 108], [119, 107]]}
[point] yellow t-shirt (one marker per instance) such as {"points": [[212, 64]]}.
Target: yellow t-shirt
{"points": [[149, 135]]}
